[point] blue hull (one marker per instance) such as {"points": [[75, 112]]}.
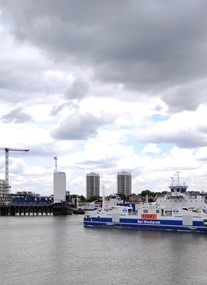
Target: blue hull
{"points": [[161, 225]]}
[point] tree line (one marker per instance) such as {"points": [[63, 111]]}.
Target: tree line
{"points": [[124, 197]]}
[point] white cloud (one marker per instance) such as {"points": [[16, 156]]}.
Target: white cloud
{"points": [[151, 148], [185, 129], [103, 91]]}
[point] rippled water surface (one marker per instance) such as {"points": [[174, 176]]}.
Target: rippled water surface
{"points": [[59, 250]]}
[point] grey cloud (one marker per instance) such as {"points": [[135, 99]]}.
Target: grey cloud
{"points": [[145, 45], [80, 127], [57, 109], [18, 82], [73, 95], [69, 105], [16, 116], [187, 97], [78, 90]]}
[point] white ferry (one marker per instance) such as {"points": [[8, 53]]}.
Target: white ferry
{"points": [[178, 210]]}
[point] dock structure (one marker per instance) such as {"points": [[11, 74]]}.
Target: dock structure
{"points": [[35, 210], [28, 204], [23, 210]]}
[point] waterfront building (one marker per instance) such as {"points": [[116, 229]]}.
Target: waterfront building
{"points": [[124, 183], [92, 185]]}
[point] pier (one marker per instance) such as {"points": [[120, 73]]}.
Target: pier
{"points": [[13, 210], [28, 204], [35, 210]]}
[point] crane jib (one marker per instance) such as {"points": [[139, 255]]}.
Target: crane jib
{"points": [[7, 149]]}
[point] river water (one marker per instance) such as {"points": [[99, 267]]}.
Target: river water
{"points": [[43, 250]]}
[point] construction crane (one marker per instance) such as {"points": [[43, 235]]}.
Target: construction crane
{"points": [[7, 150]]}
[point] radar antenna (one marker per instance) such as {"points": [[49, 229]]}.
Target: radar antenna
{"points": [[177, 174]]}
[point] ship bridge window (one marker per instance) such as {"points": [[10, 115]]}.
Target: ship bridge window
{"points": [[168, 213], [195, 210], [145, 211], [205, 222]]}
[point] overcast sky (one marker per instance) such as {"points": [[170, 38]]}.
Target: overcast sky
{"points": [[105, 86]]}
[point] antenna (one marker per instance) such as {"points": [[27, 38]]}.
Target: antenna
{"points": [[103, 200], [178, 176], [56, 168]]}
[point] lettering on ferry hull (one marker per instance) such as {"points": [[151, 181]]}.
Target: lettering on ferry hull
{"points": [[148, 222], [149, 216]]}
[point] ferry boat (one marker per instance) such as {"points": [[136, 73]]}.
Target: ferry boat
{"points": [[178, 210]]}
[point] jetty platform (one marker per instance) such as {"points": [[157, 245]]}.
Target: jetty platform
{"points": [[35, 210]]}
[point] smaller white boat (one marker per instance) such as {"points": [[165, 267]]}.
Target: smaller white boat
{"points": [[109, 205]]}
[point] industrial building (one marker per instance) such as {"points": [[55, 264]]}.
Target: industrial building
{"points": [[124, 183], [59, 184], [92, 185]]}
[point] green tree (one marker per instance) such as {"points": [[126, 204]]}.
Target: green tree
{"points": [[122, 196], [148, 193], [144, 193], [93, 198], [82, 198]]}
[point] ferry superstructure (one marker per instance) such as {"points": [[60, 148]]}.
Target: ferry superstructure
{"points": [[176, 211]]}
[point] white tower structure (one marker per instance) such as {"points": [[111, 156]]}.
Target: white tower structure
{"points": [[59, 184]]}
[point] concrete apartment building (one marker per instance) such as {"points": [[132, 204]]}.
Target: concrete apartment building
{"points": [[92, 185], [124, 183]]}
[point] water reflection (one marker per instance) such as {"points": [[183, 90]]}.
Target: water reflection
{"points": [[59, 250]]}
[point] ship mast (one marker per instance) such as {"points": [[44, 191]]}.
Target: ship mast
{"points": [[103, 198], [176, 188], [177, 173]]}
